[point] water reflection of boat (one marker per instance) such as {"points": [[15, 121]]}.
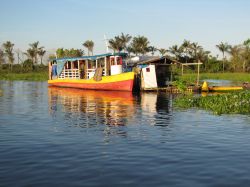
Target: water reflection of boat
{"points": [[108, 107], [157, 107]]}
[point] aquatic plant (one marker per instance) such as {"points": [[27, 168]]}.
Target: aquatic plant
{"points": [[230, 103], [180, 85]]}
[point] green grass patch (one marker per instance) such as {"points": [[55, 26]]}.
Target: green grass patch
{"points": [[34, 76], [230, 103], [239, 77]]}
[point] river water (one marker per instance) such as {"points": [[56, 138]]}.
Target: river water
{"points": [[69, 137]]}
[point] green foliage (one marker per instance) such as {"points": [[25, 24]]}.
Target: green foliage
{"points": [[40, 68], [27, 66], [140, 45], [24, 71], [119, 43], [212, 65], [17, 68], [62, 53], [230, 103], [181, 85], [34, 76]]}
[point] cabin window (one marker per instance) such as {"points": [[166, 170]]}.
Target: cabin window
{"points": [[112, 61], [147, 69], [91, 64], [75, 65]]}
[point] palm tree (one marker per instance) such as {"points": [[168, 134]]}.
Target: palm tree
{"points": [[31, 54], [140, 45], [223, 47], [202, 56], [41, 53], [35, 49], [125, 39], [162, 51], [195, 49], [152, 50], [89, 44], [175, 50], [116, 44], [130, 50], [8, 49], [186, 46], [235, 52]]}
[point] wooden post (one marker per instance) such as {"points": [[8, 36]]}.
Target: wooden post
{"points": [[87, 69], [105, 66], [50, 70], [78, 67], [198, 73], [181, 69]]}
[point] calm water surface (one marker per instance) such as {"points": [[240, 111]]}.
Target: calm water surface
{"points": [[67, 137]]}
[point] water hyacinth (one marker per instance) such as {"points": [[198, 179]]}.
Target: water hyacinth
{"points": [[229, 103]]}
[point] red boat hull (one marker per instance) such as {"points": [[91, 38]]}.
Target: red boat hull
{"points": [[126, 85]]}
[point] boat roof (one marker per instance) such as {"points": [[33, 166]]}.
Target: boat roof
{"points": [[94, 57]]}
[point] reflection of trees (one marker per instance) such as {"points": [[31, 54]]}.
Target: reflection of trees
{"points": [[93, 107]]}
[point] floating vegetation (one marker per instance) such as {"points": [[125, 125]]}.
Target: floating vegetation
{"points": [[230, 103]]}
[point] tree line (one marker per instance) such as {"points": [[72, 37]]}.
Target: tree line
{"points": [[189, 52], [236, 58], [33, 62]]}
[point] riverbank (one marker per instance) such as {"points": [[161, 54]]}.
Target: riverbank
{"points": [[31, 76], [238, 77]]}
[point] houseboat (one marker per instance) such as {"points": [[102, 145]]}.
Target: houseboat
{"points": [[99, 72]]}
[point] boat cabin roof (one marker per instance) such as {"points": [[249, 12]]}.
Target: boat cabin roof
{"points": [[94, 57]]}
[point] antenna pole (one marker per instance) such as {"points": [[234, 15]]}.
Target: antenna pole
{"points": [[106, 43]]}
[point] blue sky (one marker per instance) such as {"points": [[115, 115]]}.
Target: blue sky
{"points": [[68, 23]]}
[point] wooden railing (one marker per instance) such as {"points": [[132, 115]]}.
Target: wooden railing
{"points": [[70, 74], [90, 73], [75, 73]]}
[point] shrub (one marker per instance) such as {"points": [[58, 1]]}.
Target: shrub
{"points": [[27, 66]]}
